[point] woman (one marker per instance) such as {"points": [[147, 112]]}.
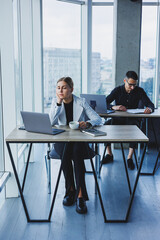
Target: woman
{"points": [[67, 107]]}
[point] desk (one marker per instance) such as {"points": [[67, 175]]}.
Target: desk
{"points": [[155, 114], [115, 134]]}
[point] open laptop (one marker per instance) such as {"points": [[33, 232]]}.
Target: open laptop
{"points": [[39, 123], [97, 102]]}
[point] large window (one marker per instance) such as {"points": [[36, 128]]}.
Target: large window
{"points": [[2, 197], [61, 46], [17, 60], [1, 127], [102, 43], [148, 50]]}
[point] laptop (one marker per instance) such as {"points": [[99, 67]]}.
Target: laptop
{"points": [[97, 102], [39, 123]]}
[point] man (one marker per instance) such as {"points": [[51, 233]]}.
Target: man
{"points": [[127, 96]]}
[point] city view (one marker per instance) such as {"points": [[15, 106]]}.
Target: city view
{"points": [[59, 62]]}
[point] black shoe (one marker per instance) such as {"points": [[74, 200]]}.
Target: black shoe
{"points": [[107, 159], [81, 206], [69, 199], [130, 163]]}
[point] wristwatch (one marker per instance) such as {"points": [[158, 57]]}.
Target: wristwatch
{"points": [[59, 104]]}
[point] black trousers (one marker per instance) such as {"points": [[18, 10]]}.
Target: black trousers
{"points": [[76, 152], [124, 121]]}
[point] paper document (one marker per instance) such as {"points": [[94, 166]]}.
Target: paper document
{"points": [[137, 110]]}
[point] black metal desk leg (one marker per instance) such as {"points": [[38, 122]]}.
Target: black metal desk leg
{"points": [[158, 155], [98, 190], [97, 186], [25, 174], [126, 170], [136, 181], [18, 183], [156, 146]]}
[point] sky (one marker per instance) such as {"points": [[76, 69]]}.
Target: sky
{"points": [[62, 28]]}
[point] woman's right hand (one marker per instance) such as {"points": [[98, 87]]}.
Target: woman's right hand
{"points": [[59, 100]]}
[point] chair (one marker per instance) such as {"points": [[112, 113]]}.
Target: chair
{"points": [[48, 157], [52, 154]]}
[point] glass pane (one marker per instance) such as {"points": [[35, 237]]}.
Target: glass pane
{"points": [[148, 50], [1, 132], [61, 39], [102, 44], [17, 62]]}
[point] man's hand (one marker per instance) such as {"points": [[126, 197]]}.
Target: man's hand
{"points": [[148, 110], [119, 108]]}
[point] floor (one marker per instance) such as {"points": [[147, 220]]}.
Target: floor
{"points": [[144, 218]]}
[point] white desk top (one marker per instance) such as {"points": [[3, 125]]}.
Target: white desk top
{"points": [[155, 114], [115, 133]]}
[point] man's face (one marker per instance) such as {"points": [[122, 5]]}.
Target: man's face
{"points": [[130, 84]]}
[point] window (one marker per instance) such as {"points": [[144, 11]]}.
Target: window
{"points": [[148, 50], [17, 60], [102, 41], [1, 126], [61, 46]]}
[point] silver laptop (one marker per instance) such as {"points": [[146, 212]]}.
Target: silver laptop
{"points": [[38, 122], [97, 102]]}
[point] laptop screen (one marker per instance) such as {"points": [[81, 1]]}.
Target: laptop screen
{"points": [[38, 122], [97, 102]]}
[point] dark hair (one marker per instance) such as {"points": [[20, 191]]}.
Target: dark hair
{"points": [[67, 80], [132, 74]]}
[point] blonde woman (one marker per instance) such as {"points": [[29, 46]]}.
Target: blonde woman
{"points": [[65, 108]]}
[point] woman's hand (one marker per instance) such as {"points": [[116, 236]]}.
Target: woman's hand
{"points": [[83, 124], [59, 100]]}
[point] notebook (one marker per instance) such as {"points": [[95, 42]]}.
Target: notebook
{"points": [[39, 123], [137, 110], [97, 102], [93, 132]]}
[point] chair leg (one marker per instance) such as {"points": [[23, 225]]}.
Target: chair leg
{"points": [[48, 168], [99, 164], [102, 159], [49, 175], [135, 158], [46, 163], [90, 171]]}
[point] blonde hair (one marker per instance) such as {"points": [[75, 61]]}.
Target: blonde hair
{"points": [[67, 80]]}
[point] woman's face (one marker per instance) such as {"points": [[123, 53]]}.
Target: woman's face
{"points": [[63, 90]]}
